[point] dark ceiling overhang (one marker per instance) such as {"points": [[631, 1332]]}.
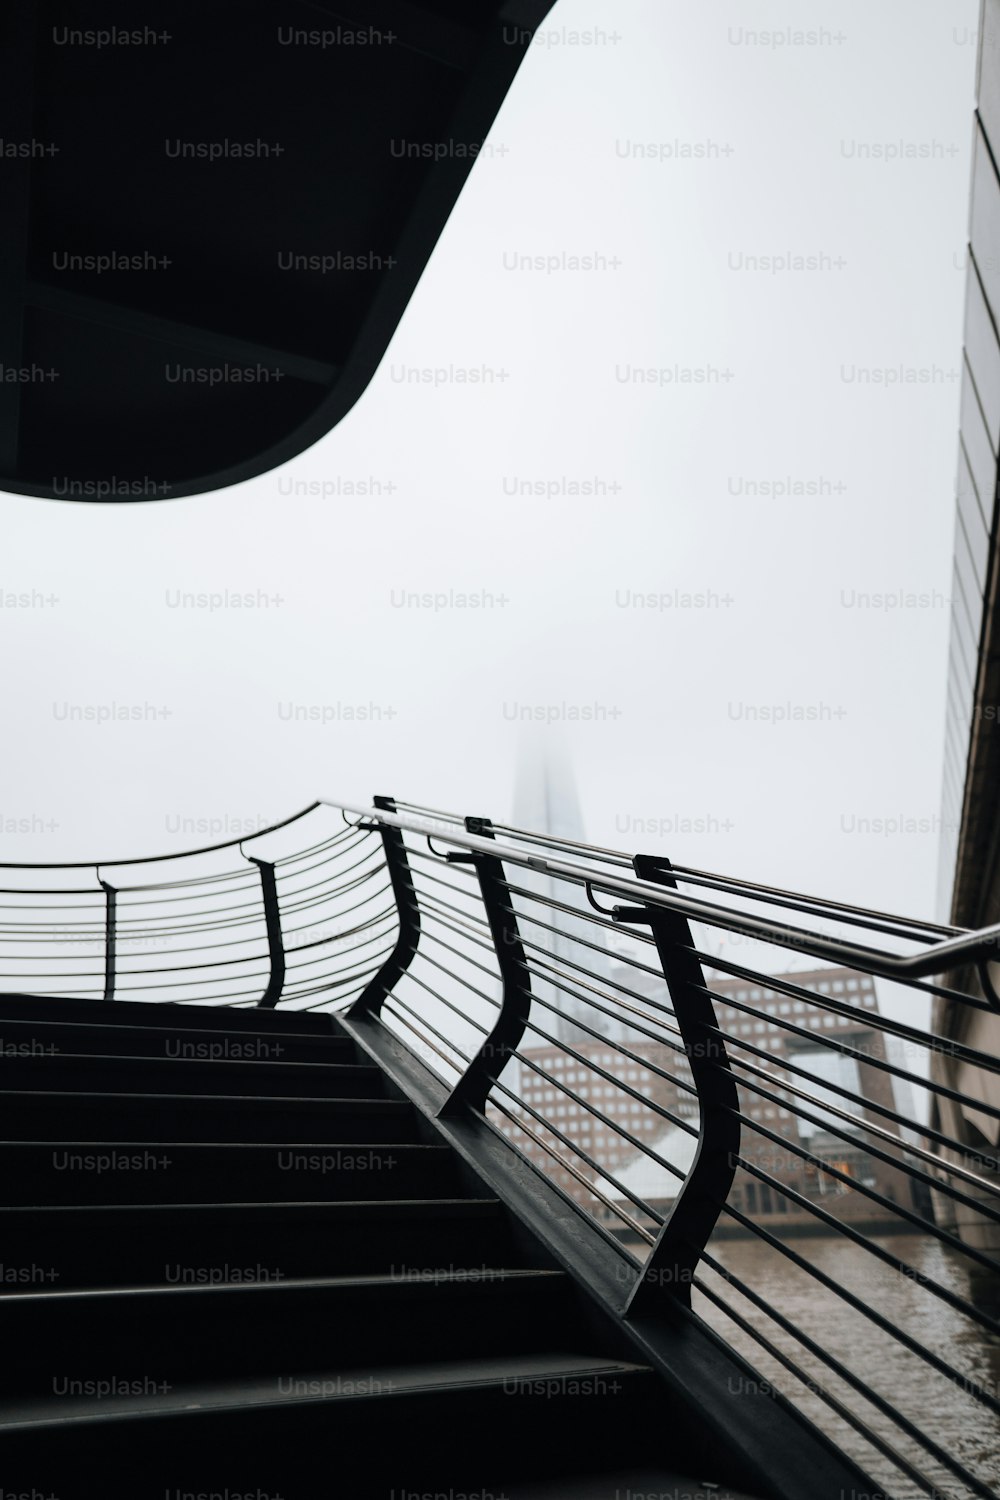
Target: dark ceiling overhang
{"points": [[214, 217]]}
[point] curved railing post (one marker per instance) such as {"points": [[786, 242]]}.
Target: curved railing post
{"points": [[275, 942], [677, 1251], [474, 1086], [110, 936], [370, 1001]]}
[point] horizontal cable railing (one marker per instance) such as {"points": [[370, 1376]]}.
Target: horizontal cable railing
{"points": [[783, 1140], [780, 1111], [221, 925]]}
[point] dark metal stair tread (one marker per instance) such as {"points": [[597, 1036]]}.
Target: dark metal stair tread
{"points": [[51, 1143], [292, 1207], [343, 1103], [417, 1278], [326, 1387], [199, 1035], [14, 1003], [617, 1486], [125, 1060]]}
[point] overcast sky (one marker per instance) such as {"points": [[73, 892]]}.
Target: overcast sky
{"points": [[852, 148]]}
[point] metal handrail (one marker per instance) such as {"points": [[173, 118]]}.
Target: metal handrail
{"points": [[204, 912], [152, 859], [729, 1080], [937, 958]]}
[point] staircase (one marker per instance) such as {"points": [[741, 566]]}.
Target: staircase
{"points": [[236, 1260]]}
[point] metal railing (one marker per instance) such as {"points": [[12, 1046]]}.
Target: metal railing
{"points": [[233, 929], [797, 1154]]}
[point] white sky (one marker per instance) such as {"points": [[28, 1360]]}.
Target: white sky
{"points": [[681, 746]]}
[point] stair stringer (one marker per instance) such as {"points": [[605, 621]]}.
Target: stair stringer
{"points": [[736, 1426]]}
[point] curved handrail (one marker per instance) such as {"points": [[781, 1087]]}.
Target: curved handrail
{"points": [[153, 859], [182, 916]]}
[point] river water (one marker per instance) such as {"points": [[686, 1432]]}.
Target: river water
{"points": [[939, 1407]]}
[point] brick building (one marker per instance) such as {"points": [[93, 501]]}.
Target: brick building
{"points": [[795, 1041]]}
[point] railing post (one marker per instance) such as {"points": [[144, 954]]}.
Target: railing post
{"points": [[110, 936], [275, 942], [370, 1001], [474, 1086], [677, 1251]]}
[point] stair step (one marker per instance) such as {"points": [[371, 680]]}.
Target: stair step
{"points": [[61, 1172], [178, 1335], [166, 1075], [43, 1116], [633, 1485], [410, 1427], [158, 1013], [27, 1038], [82, 1246], [519, 1375], [221, 1263]]}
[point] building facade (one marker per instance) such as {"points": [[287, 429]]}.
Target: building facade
{"points": [[969, 870], [787, 1037], [967, 867]]}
